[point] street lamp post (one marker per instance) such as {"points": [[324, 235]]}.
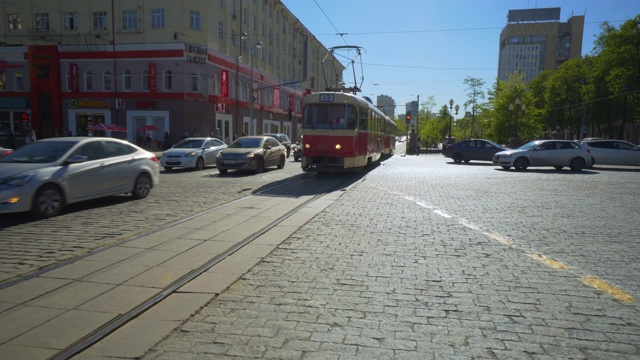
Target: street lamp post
{"points": [[513, 108], [451, 116], [258, 45]]}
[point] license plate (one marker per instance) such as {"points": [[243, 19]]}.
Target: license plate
{"points": [[233, 161]]}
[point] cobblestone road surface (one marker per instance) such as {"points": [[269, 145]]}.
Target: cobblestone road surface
{"points": [[426, 259]]}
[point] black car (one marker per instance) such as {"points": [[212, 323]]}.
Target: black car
{"points": [[472, 149], [283, 139]]}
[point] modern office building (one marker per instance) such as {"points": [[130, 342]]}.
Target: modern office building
{"points": [[386, 104], [222, 66], [535, 40]]}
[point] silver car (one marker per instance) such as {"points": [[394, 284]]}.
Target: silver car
{"points": [[196, 153], [46, 175], [613, 152], [556, 153]]}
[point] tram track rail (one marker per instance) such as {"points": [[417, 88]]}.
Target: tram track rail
{"points": [[300, 185]]}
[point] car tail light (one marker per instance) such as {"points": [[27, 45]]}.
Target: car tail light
{"points": [[588, 151], [154, 159]]}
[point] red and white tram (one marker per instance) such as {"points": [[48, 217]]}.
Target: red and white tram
{"points": [[343, 132]]}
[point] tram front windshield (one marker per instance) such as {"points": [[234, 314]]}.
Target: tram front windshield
{"points": [[330, 116]]}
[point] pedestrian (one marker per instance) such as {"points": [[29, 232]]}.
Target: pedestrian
{"points": [[138, 138], [30, 138], [11, 140], [148, 141], [166, 143]]}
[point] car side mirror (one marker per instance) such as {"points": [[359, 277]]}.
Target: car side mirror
{"points": [[538, 148]]}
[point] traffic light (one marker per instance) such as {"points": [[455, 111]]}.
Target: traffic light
{"points": [[408, 117]]}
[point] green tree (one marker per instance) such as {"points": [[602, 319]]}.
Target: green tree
{"points": [[474, 95]]}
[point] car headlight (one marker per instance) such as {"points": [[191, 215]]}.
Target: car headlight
{"points": [[506, 156], [219, 155], [17, 181], [192, 154]]}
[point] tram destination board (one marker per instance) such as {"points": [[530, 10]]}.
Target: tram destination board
{"points": [[326, 97]]}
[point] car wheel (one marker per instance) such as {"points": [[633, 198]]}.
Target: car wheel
{"points": [[281, 163], [142, 187], [577, 164], [168, 168], [260, 166], [48, 202], [506, 167], [521, 163], [200, 164], [222, 171], [558, 167], [457, 158], [466, 161]]}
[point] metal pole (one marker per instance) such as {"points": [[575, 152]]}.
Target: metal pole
{"points": [[251, 125]]}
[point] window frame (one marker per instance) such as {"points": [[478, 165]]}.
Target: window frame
{"points": [[129, 19], [158, 18]]}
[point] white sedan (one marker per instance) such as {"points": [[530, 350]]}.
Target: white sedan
{"points": [[195, 153], [613, 152], [556, 153], [45, 176]]}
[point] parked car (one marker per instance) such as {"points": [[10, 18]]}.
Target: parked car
{"points": [[252, 153], [284, 140], [4, 152], [473, 149], [44, 176], [613, 152], [195, 152], [556, 153]]}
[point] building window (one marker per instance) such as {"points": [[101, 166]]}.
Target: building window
{"points": [[233, 38], [42, 22], [157, 18], [167, 80], [107, 80], [68, 82], [70, 21], [220, 30], [19, 81], [195, 81], [194, 20], [129, 19], [221, 3], [15, 22], [145, 80], [100, 20], [88, 81], [126, 80], [3, 81]]}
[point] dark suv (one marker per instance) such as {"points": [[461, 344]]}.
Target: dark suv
{"points": [[283, 139]]}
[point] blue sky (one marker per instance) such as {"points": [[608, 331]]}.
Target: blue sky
{"points": [[428, 47]]}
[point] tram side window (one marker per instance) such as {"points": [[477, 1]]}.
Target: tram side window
{"points": [[363, 120]]}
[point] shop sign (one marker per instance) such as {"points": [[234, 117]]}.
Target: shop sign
{"points": [[224, 84], [146, 104], [95, 104], [276, 97], [222, 108], [195, 54]]}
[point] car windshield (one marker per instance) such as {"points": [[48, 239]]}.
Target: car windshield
{"points": [[190, 144], [246, 143], [529, 145], [39, 152]]}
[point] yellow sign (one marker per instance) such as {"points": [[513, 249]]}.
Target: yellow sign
{"points": [[96, 104]]}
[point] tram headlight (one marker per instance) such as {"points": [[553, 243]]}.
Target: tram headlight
{"points": [[338, 146], [307, 146]]}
